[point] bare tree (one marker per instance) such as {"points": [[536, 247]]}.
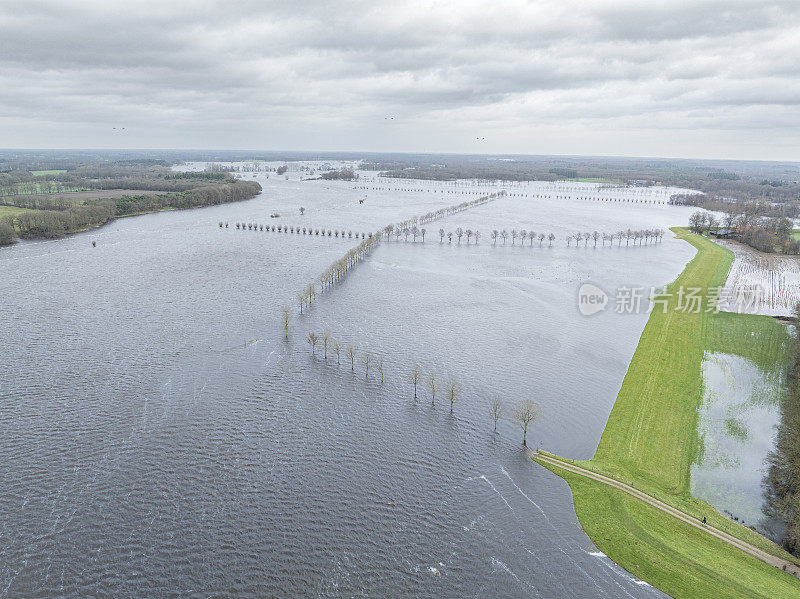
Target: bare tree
{"points": [[459, 233], [477, 236], [368, 360], [286, 318], [496, 411], [336, 348], [441, 235], [431, 383], [595, 236], [350, 351], [495, 235], [453, 391], [551, 238], [312, 341], [379, 365], [326, 339], [414, 377], [514, 236], [526, 412], [541, 238], [504, 235], [422, 232], [469, 235]]}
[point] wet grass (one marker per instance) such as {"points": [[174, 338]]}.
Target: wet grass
{"points": [[668, 553], [650, 442]]}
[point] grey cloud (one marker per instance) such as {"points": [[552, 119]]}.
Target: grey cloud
{"points": [[325, 73]]}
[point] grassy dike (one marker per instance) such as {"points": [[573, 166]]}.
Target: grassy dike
{"points": [[650, 442]]}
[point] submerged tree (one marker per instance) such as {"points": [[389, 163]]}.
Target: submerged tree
{"points": [[526, 412], [350, 351], [414, 377], [431, 383], [453, 392], [367, 359], [286, 317], [496, 411], [326, 339], [312, 341]]}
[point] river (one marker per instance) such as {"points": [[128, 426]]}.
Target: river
{"points": [[160, 437]]}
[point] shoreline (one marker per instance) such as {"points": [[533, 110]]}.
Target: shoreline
{"points": [[120, 216], [650, 441]]}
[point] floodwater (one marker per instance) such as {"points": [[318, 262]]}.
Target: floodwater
{"points": [[159, 435], [737, 425]]}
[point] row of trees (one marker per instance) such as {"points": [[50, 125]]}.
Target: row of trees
{"points": [[637, 236], [334, 273], [340, 267], [525, 412], [298, 230], [440, 213]]}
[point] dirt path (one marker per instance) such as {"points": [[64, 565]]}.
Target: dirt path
{"points": [[768, 558]]}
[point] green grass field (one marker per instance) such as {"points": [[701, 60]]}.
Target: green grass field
{"points": [[46, 173], [10, 210], [650, 442], [669, 554]]}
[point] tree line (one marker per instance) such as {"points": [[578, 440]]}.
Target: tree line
{"points": [[525, 412], [764, 233], [782, 479], [55, 223], [340, 267], [331, 275], [297, 230], [638, 237]]}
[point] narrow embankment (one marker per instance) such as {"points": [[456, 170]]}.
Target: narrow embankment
{"points": [[773, 560], [650, 442]]}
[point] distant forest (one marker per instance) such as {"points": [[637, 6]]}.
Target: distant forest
{"points": [[39, 200]]}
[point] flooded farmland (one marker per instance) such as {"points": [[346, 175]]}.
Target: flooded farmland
{"points": [[161, 435], [737, 427]]}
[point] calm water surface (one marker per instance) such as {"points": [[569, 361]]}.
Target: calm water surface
{"points": [[160, 437]]}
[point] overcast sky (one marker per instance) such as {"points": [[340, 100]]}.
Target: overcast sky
{"points": [[716, 79]]}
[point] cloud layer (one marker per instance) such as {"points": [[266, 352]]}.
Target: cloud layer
{"points": [[694, 79]]}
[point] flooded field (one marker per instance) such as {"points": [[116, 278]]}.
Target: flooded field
{"points": [[738, 416], [159, 435], [761, 283]]}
